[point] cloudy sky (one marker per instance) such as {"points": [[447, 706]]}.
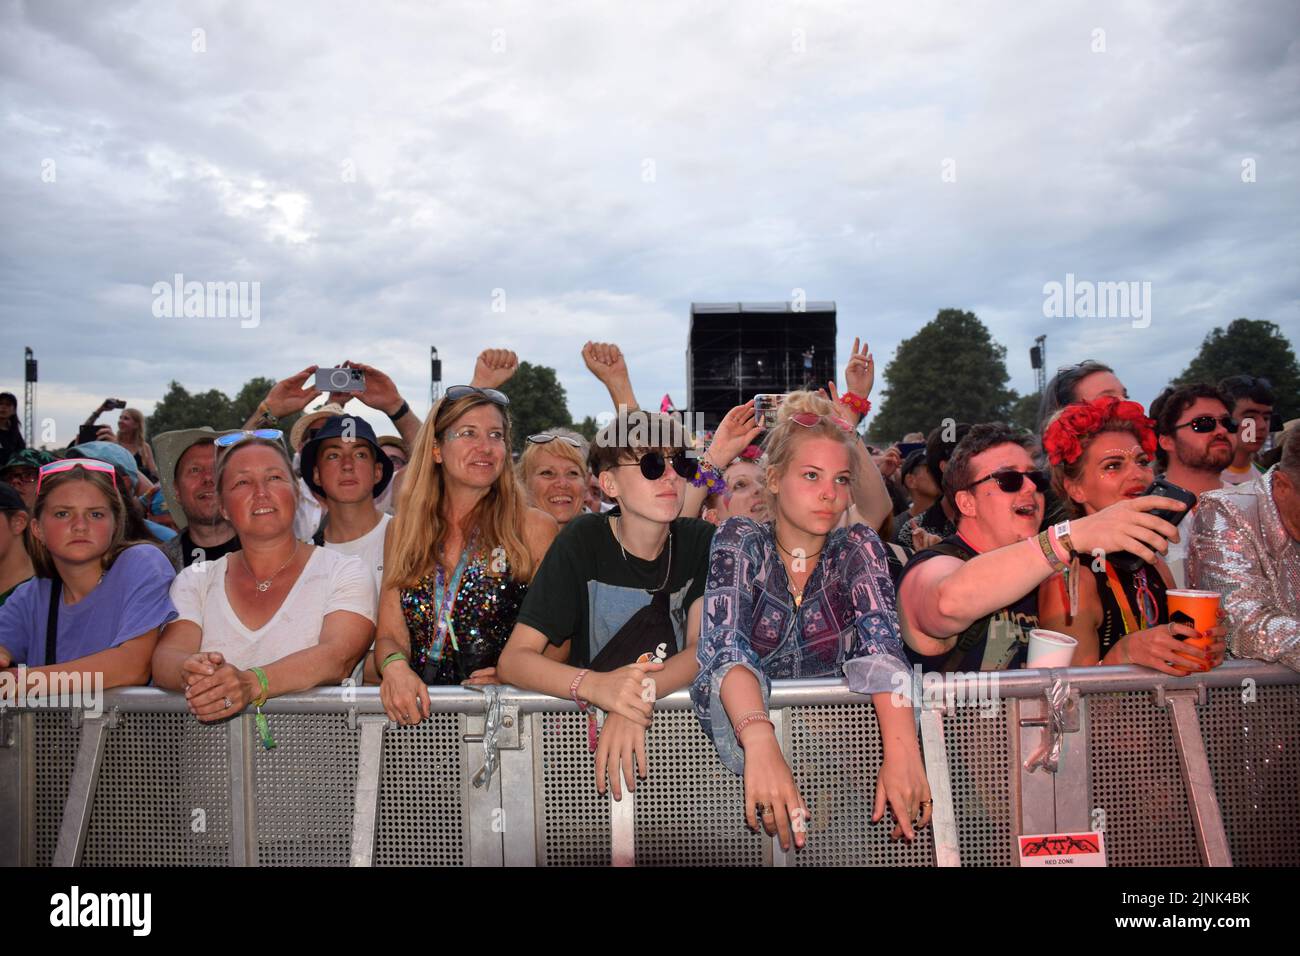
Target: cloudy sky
{"points": [[381, 169]]}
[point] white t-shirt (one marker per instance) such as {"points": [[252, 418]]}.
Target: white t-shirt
{"points": [[370, 549], [1232, 478], [330, 582]]}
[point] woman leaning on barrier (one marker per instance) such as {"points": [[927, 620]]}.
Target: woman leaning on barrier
{"points": [[793, 598], [1100, 453], [98, 600], [462, 550], [277, 616]]}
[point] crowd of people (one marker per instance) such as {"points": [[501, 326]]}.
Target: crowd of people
{"points": [[238, 565]]}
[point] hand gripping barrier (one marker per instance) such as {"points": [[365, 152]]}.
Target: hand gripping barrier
{"points": [[1197, 770]]}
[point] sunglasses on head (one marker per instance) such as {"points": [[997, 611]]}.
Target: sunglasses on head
{"points": [[491, 394], [234, 438], [809, 419], [653, 465], [545, 439], [1204, 424], [67, 464], [1011, 481]]}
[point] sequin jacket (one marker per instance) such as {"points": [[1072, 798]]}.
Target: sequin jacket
{"points": [[846, 625], [1240, 548]]}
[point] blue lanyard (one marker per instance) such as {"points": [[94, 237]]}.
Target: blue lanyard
{"points": [[444, 599]]}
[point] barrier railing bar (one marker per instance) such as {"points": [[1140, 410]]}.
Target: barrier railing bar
{"points": [[481, 825], [1037, 788], [1073, 780], [81, 790], [12, 792], [622, 817], [243, 811], [365, 809], [27, 788], [1015, 771], [944, 819], [1211, 839]]}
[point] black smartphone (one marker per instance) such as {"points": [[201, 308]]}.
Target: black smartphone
{"points": [[906, 448], [87, 433], [1166, 489]]}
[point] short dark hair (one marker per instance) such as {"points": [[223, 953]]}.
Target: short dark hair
{"points": [[9, 397], [1237, 387], [1169, 406], [631, 432], [1059, 390], [979, 439], [938, 450]]}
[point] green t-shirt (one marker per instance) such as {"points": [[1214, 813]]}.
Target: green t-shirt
{"points": [[587, 590]]}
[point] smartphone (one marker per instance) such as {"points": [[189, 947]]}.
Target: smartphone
{"points": [[1165, 489], [766, 406], [906, 448], [87, 433], [340, 380], [116, 403]]}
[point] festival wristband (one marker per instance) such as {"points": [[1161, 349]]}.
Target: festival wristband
{"points": [[1062, 533], [394, 416], [263, 728], [395, 656], [1049, 552]]}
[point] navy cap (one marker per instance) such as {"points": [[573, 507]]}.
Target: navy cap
{"points": [[343, 426], [10, 499]]}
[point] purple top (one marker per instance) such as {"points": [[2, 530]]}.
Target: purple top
{"points": [[132, 599]]}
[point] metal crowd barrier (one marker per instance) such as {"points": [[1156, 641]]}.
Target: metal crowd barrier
{"points": [[1197, 770]]}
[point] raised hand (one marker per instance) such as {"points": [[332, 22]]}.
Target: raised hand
{"points": [[381, 392], [860, 373], [737, 431], [605, 361], [494, 368], [288, 395]]}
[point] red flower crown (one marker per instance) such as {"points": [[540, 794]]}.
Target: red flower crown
{"points": [[1063, 439]]}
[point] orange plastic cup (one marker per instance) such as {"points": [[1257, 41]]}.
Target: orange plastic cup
{"points": [[1203, 608]]}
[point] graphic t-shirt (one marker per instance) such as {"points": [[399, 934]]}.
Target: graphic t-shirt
{"points": [[586, 589], [995, 642]]}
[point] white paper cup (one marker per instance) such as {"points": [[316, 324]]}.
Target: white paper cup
{"points": [[1050, 648]]}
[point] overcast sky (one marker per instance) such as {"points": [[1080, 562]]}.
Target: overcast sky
{"points": [[379, 169]]}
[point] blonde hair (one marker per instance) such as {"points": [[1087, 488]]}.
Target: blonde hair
{"points": [[138, 417], [562, 449], [419, 528], [780, 443], [42, 560]]}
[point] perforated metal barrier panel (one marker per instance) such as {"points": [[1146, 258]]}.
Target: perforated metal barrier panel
{"points": [[1254, 751], [421, 805], [1137, 784], [56, 752], [166, 784], [572, 818], [164, 795]]}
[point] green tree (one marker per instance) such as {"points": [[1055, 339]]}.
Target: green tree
{"points": [[951, 368], [587, 428], [537, 401], [1024, 411], [180, 409], [1249, 347]]}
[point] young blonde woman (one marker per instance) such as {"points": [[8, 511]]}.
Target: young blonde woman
{"points": [[463, 548], [797, 597]]}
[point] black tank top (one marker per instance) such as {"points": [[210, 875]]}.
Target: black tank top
{"points": [[1112, 618]]}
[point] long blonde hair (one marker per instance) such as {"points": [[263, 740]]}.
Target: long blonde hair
{"points": [[42, 560], [141, 437], [419, 528], [780, 443]]}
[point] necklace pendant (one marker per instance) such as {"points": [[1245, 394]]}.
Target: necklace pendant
{"points": [[264, 586]]}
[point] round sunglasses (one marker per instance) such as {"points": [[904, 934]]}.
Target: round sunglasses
{"points": [[1204, 424], [653, 465], [1011, 481]]}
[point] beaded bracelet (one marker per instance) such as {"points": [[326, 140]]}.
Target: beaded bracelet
{"points": [[708, 476], [856, 403], [752, 717], [586, 708]]}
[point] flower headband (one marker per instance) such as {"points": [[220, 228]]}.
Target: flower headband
{"points": [[1064, 437]]}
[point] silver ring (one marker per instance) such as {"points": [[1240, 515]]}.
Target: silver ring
{"points": [[229, 703]]}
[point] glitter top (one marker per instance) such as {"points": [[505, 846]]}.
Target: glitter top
{"points": [[483, 617]]}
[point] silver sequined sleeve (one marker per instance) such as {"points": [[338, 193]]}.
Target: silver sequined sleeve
{"points": [[1227, 554]]}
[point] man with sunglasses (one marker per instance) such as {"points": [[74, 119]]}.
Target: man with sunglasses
{"points": [[1197, 439], [626, 588], [1251, 403], [969, 603]]}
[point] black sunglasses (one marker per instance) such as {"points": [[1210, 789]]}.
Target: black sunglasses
{"points": [[1204, 424], [491, 394], [1012, 481], [653, 465]]}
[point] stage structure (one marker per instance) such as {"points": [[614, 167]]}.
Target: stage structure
{"points": [[739, 349]]}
